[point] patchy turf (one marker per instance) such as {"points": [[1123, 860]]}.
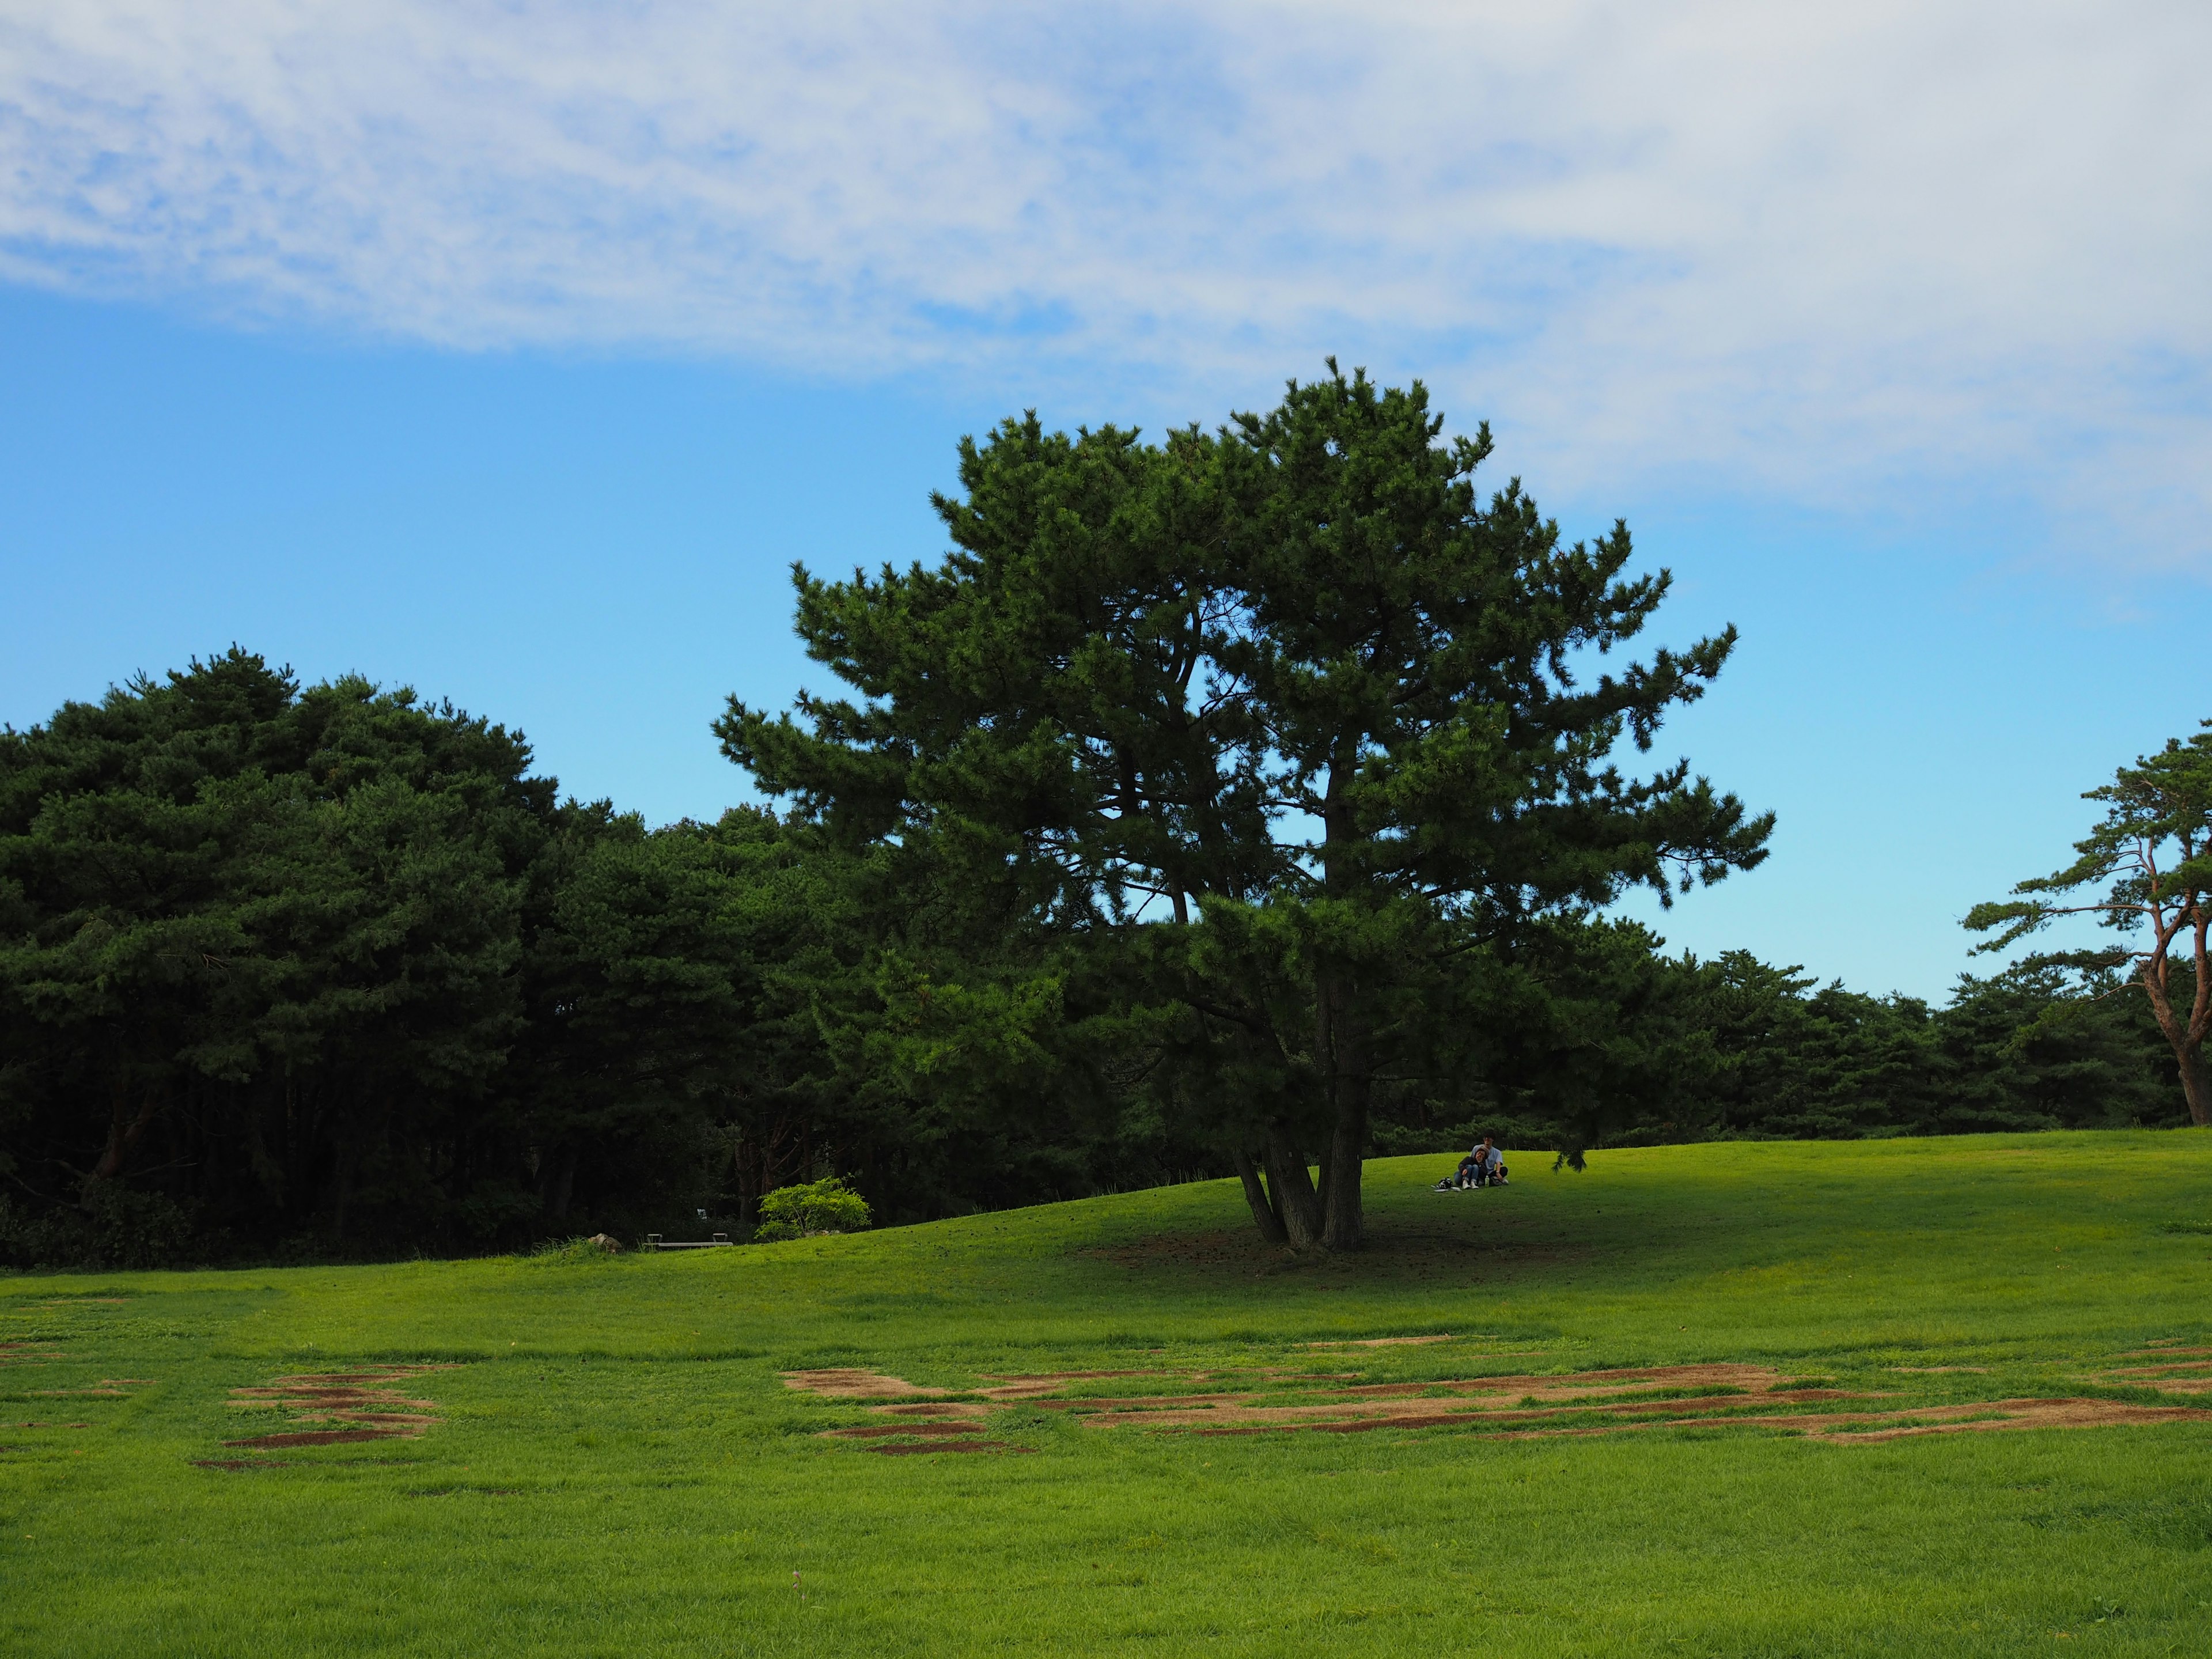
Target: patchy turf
{"points": [[1516, 1407], [1891, 1398]]}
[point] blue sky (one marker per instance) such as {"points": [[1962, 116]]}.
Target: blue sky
{"points": [[514, 351]]}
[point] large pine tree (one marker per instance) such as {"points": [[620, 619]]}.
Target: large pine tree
{"points": [[1284, 720]]}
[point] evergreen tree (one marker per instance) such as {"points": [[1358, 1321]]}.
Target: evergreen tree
{"points": [[1295, 685]]}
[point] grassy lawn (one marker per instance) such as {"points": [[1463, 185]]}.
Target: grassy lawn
{"points": [[606, 1458]]}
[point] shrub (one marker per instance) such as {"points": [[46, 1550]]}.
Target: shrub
{"points": [[828, 1205]]}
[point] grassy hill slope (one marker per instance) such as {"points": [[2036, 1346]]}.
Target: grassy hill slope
{"points": [[604, 1456]]}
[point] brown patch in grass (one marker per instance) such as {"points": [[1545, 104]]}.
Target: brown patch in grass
{"points": [[850, 1383], [1932, 1370], [2177, 1368], [2010, 1415], [1835, 1427], [317, 1437], [240, 1463], [2174, 1371], [936, 1409], [951, 1446], [1028, 1388], [1612, 1401], [1576, 1385], [367, 1400], [2177, 1384], [1387, 1341], [1117, 1405]]}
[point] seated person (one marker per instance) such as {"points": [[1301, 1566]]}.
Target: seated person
{"points": [[1493, 1162], [1469, 1172]]}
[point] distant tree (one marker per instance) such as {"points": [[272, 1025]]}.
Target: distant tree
{"points": [[2152, 855], [258, 946], [1297, 688], [2037, 1046]]}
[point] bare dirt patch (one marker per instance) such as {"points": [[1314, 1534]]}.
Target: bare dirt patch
{"points": [[315, 1438], [1723, 1394], [855, 1384], [936, 1409], [2009, 1414], [367, 1402], [1387, 1341], [1030, 1387], [906, 1450], [2175, 1372], [1937, 1371]]}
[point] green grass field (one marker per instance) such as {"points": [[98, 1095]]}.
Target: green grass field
{"points": [[611, 1463]]}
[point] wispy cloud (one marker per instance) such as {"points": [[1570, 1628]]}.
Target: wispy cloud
{"points": [[1805, 249]]}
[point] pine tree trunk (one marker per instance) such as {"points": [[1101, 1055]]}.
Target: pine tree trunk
{"points": [[1344, 1227], [2188, 1055], [1256, 1195], [2195, 1085], [1342, 1051], [1292, 1189]]}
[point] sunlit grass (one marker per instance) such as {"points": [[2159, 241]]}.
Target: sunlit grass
{"points": [[617, 1467]]}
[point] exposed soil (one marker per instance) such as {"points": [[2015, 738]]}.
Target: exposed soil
{"points": [[2174, 1372], [368, 1401], [853, 1385], [1715, 1395], [1934, 1371], [316, 1437], [2013, 1415], [935, 1409], [1384, 1341], [907, 1450], [240, 1463], [1028, 1388]]}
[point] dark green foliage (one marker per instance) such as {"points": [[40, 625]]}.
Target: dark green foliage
{"points": [[261, 946], [1257, 751], [1243, 803], [326, 971]]}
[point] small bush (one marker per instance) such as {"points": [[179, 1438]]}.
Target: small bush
{"points": [[828, 1205], [570, 1252]]}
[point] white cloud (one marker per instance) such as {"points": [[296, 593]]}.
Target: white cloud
{"points": [[1807, 249]]}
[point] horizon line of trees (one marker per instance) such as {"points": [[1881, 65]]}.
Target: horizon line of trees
{"points": [[293, 973], [1244, 803]]}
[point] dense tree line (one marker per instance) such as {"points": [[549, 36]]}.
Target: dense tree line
{"points": [[1243, 803], [327, 970]]}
